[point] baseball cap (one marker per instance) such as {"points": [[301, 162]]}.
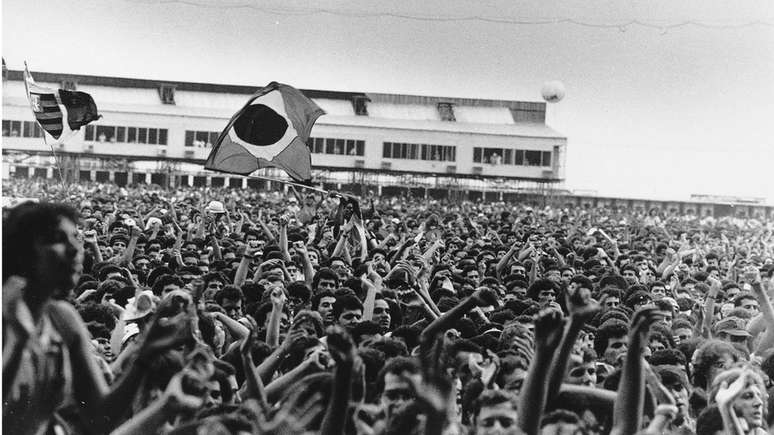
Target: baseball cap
{"points": [[732, 326]]}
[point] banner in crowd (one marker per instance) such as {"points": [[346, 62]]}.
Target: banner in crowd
{"points": [[271, 130], [51, 108]]}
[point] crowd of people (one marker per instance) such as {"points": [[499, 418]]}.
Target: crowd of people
{"points": [[139, 310]]}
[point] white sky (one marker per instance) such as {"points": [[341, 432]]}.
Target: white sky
{"points": [[648, 113]]}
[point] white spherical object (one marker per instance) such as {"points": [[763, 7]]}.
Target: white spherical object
{"points": [[553, 91]]}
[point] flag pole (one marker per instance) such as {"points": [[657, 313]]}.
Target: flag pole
{"points": [[57, 161], [299, 185]]}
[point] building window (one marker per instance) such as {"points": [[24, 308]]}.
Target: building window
{"points": [[446, 110], [31, 129], [519, 159], [21, 129], [546, 158], [69, 85], [319, 145], [359, 104], [142, 135], [533, 158], [348, 147], [413, 151], [508, 157], [106, 133], [122, 134], [167, 94], [200, 139], [529, 112], [476, 155]]}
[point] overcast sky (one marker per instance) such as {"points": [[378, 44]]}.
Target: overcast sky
{"points": [[648, 112]]}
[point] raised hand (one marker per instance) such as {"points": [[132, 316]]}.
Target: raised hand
{"points": [[278, 297], [484, 297], [548, 329], [340, 346], [579, 303], [728, 392], [176, 397], [166, 333], [641, 322]]}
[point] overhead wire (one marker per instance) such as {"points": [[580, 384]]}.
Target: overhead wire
{"points": [[621, 26]]}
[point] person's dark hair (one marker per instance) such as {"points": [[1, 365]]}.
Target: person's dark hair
{"points": [[252, 292], [671, 357], [193, 270], [163, 281], [492, 398], [664, 305], [615, 281], [346, 302], [611, 380], [741, 297], [96, 312], [709, 421], [358, 330], [300, 291], [391, 347], [25, 226], [409, 334], [229, 292], [561, 416], [222, 371], [582, 281], [318, 296], [502, 316], [706, 357], [681, 324], [324, 273], [157, 273], [508, 365], [608, 330], [767, 366], [163, 367], [397, 366], [533, 292], [373, 362]]}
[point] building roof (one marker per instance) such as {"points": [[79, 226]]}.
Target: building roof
{"points": [[206, 100]]}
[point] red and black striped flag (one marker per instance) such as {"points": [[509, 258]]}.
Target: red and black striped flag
{"points": [[271, 130], [51, 108]]}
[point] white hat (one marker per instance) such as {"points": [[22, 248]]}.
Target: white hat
{"points": [[215, 207], [140, 306], [151, 222]]}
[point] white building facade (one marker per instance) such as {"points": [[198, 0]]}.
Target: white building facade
{"points": [[383, 135]]}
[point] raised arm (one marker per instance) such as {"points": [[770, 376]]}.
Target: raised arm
{"points": [[581, 311], [767, 312], [482, 297], [370, 299], [532, 400], [628, 409], [126, 257], [278, 299], [503, 263], [709, 307], [283, 237], [151, 418], [244, 266], [342, 350]]}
